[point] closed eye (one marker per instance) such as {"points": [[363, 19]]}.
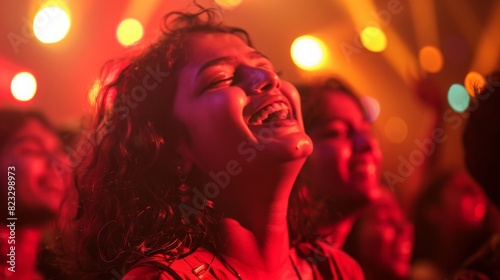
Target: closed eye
{"points": [[335, 133], [336, 130], [220, 81]]}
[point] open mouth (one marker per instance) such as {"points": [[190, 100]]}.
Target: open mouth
{"points": [[273, 112]]}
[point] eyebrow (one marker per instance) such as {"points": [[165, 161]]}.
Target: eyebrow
{"points": [[228, 60]]}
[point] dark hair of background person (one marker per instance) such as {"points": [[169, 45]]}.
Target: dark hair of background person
{"points": [[129, 192]]}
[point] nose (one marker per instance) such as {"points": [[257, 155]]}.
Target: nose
{"points": [[364, 141], [259, 80]]}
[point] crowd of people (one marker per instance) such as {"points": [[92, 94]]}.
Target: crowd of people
{"points": [[224, 170]]}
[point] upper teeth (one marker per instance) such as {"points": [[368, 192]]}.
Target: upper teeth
{"points": [[281, 109]]}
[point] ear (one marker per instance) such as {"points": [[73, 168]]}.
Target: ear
{"points": [[183, 163]]}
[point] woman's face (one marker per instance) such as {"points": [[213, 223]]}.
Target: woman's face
{"points": [[463, 202], [386, 239], [345, 163], [235, 108], [35, 156]]}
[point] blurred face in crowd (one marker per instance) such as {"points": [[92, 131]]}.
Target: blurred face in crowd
{"points": [[345, 163], [35, 157], [385, 238], [463, 202]]}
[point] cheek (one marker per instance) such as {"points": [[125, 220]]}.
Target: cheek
{"points": [[387, 234], [29, 171], [204, 115], [377, 151], [331, 152], [214, 123], [291, 93]]}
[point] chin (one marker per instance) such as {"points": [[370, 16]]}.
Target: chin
{"points": [[297, 146], [367, 189]]}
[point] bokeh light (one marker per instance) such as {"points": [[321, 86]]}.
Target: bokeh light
{"points": [[228, 4], [129, 32], [396, 130], [51, 22], [458, 98], [308, 52], [431, 59], [372, 107], [23, 86], [373, 39], [473, 82]]}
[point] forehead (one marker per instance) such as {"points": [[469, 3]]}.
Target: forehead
{"points": [[336, 104], [34, 131], [204, 46]]}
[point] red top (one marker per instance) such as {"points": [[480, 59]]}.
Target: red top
{"points": [[202, 264], [317, 262]]}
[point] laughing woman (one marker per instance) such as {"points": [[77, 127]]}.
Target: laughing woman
{"points": [[339, 180], [198, 145]]}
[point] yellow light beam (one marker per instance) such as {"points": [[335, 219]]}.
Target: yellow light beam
{"points": [[487, 52], [423, 14]]}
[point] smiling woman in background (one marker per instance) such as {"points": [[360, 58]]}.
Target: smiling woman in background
{"points": [[33, 187], [341, 177]]}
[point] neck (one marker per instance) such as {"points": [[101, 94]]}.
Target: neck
{"points": [[254, 228], [25, 248]]}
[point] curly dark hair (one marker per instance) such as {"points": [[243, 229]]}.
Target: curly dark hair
{"points": [[303, 212], [130, 190]]}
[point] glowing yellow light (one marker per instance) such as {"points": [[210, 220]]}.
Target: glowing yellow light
{"points": [[396, 130], [474, 82], [129, 32], [374, 39], [458, 98], [431, 59], [51, 22], [23, 86], [94, 91], [228, 4], [308, 52], [372, 107]]}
